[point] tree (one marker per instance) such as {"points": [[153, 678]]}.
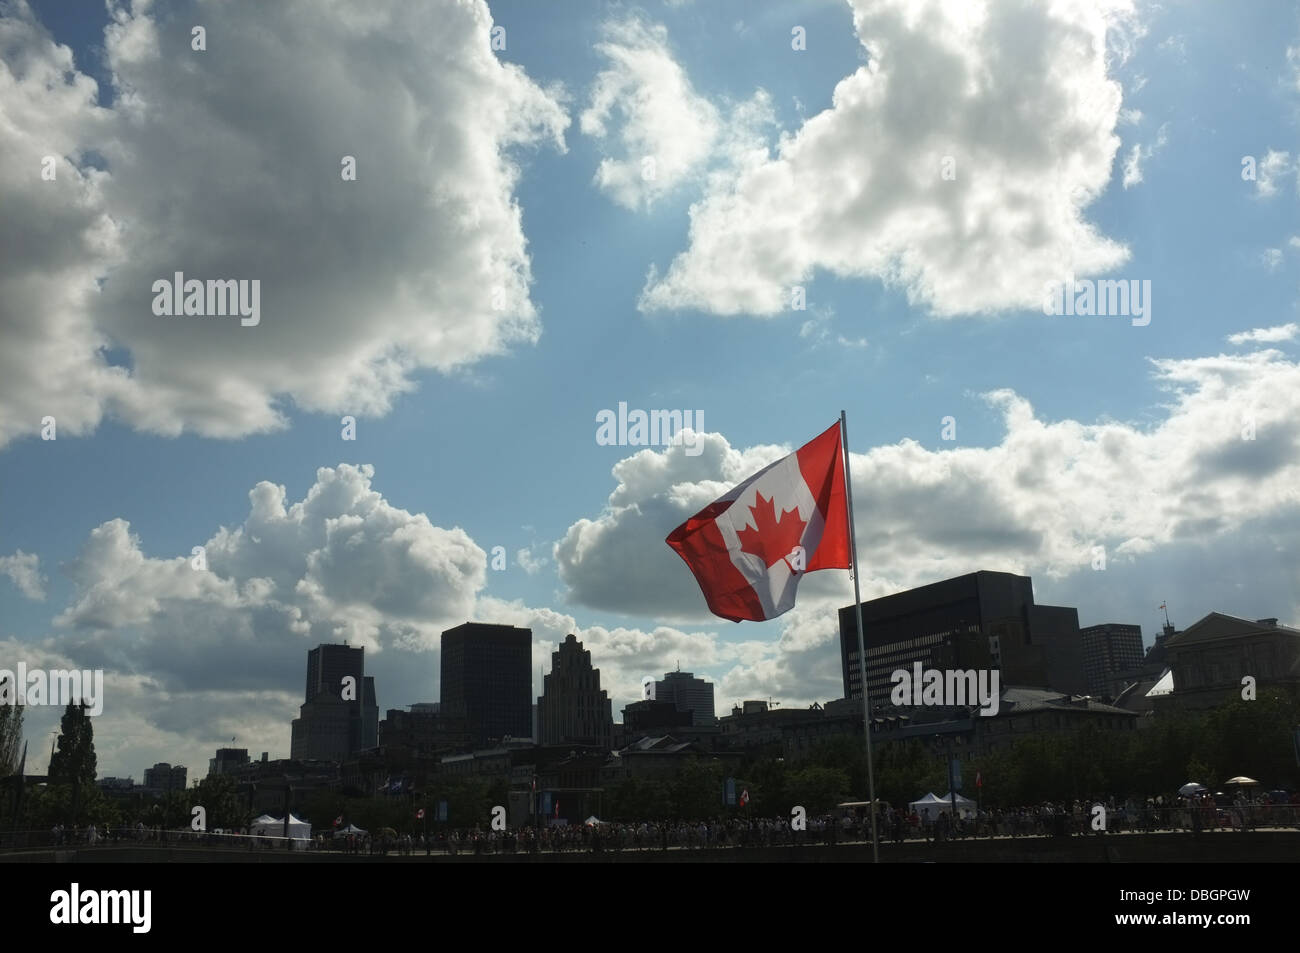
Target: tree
{"points": [[74, 761], [11, 734]]}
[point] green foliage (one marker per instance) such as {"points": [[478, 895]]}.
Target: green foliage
{"points": [[75, 758], [818, 789], [11, 738], [1243, 737]]}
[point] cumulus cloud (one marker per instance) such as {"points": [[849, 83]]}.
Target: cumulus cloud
{"points": [[227, 163], [666, 128], [644, 108], [24, 571], [1273, 335], [1016, 95], [195, 653], [1227, 452]]}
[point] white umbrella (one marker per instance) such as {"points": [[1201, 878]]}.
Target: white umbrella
{"points": [[1190, 788], [1242, 781]]}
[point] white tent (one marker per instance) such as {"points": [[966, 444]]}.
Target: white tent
{"points": [[930, 801], [299, 830], [350, 829], [965, 806], [943, 805]]}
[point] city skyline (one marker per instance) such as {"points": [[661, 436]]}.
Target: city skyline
{"points": [[416, 432]]}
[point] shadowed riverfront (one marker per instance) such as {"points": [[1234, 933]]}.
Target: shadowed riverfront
{"points": [[1277, 846]]}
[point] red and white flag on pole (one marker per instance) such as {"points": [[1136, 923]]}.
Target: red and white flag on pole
{"points": [[749, 549], [419, 815]]}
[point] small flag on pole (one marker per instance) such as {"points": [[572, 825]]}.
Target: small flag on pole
{"points": [[419, 815], [338, 820], [744, 797], [979, 780]]}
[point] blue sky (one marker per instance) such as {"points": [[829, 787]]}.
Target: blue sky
{"points": [[501, 443]]}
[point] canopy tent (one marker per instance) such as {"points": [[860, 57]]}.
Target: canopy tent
{"points": [[264, 819], [594, 821], [931, 801], [350, 829], [939, 805], [965, 806], [299, 830]]}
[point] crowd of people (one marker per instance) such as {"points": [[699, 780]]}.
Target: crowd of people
{"points": [[1195, 813]]}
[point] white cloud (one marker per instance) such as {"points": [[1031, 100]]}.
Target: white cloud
{"points": [[666, 133], [1271, 258], [531, 562], [665, 128], [24, 571], [1274, 166], [1039, 500], [227, 164], [1273, 335], [1139, 154], [1017, 95]]}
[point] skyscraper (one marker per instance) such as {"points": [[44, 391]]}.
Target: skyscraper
{"points": [[328, 665], [980, 620], [688, 693], [338, 718], [573, 708], [487, 679], [1110, 649]]}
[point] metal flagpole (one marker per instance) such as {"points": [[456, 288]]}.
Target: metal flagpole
{"points": [[862, 652]]}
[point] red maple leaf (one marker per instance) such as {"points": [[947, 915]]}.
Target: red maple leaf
{"points": [[774, 539]]}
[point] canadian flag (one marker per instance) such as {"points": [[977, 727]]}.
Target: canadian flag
{"points": [[338, 820], [419, 815], [749, 549]]}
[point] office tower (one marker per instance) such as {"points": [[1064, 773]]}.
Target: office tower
{"points": [[573, 708], [487, 679]]}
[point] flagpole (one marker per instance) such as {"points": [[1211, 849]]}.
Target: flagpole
{"points": [[862, 652]]}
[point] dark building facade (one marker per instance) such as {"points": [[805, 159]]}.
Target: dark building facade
{"points": [[163, 777], [424, 730], [573, 708], [980, 620], [328, 665], [227, 760], [487, 680], [1210, 658], [1110, 650], [688, 693], [330, 726], [653, 715]]}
